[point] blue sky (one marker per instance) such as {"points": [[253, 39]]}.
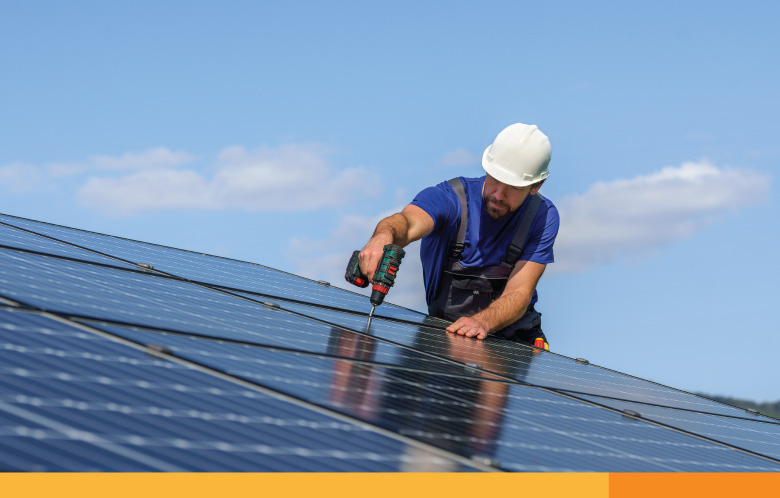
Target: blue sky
{"points": [[280, 132]]}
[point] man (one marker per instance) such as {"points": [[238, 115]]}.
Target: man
{"points": [[486, 241]]}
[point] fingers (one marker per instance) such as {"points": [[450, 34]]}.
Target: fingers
{"points": [[468, 327], [369, 258]]}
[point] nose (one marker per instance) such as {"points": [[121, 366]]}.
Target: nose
{"points": [[500, 193]]}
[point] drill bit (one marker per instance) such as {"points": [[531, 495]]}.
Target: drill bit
{"points": [[370, 315]]}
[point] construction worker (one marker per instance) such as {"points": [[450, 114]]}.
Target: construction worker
{"points": [[485, 241]]}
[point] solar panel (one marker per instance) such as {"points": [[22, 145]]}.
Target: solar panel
{"points": [[545, 370], [213, 270], [462, 414], [757, 436], [71, 400], [13, 237], [196, 362]]}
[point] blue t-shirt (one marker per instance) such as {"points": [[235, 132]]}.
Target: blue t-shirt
{"points": [[486, 239]]}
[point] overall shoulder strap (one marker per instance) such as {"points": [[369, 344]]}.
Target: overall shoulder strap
{"points": [[515, 248], [456, 248]]}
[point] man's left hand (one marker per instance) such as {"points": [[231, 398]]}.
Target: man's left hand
{"points": [[468, 327]]}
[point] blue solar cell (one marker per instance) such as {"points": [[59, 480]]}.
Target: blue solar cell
{"points": [[521, 428], [153, 301], [13, 237], [341, 343], [214, 270], [540, 369], [759, 437], [73, 401], [70, 399]]}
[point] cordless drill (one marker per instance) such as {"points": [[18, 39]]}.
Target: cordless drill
{"points": [[384, 278]]}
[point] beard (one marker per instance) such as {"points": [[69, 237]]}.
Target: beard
{"points": [[496, 209]]}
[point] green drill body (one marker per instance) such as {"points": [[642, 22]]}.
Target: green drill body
{"points": [[384, 278]]}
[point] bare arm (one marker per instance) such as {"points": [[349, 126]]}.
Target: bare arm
{"points": [[403, 228], [508, 308]]}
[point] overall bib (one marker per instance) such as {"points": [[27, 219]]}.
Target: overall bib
{"points": [[466, 291]]}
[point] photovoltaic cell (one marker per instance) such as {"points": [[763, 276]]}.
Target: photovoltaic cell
{"points": [[24, 240], [147, 300], [518, 427], [341, 344], [541, 369], [73, 401], [759, 437], [214, 270]]}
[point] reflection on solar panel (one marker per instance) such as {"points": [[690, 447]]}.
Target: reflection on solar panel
{"points": [[118, 355]]}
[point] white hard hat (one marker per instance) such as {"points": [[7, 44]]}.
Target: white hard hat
{"points": [[518, 156]]}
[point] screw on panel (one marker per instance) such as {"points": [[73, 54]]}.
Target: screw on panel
{"points": [[752, 411], [269, 304], [323, 283], [145, 266], [582, 361], [631, 414], [476, 366], [158, 349]]}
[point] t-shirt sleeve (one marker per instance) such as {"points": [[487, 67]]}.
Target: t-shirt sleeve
{"points": [[539, 247], [441, 203]]}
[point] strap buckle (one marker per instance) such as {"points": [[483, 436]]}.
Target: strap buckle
{"points": [[456, 250]]}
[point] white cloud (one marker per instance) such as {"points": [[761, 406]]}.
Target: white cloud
{"points": [[288, 178], [459, 157], [20, 177], [633, 218], [156, 158], [159, 157], [151, 190]]}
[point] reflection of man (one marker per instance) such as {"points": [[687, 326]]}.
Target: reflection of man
{"points": [[461, 413], [353, 379], [486, 241], [452, 408]]}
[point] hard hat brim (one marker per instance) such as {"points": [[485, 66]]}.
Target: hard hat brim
{"points": [[503, 175]]}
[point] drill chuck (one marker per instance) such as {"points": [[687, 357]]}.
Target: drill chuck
{"points": [[378, 294]]}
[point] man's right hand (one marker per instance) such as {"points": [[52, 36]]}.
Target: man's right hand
{"points": [[371, 255]]}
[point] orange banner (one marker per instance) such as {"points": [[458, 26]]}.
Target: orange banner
{"points": [[693, 485], [308, 485]]}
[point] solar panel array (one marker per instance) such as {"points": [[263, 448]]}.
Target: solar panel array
{"points": [[118, 355]]}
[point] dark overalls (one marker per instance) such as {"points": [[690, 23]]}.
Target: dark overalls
{"points": [[466, 291]]}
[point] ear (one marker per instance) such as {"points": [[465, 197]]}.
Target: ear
{"points": [[536, 186]]}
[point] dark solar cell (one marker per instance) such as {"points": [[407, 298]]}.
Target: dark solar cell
{"points": [[541, 369], [73, 401], [149, 300], [340, 343], [521, 428], [13, 237], [760, 437], [214, 270]]}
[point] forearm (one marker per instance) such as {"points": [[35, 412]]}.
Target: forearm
{"points": [[401, 229], [392, 230], [505, 310]]}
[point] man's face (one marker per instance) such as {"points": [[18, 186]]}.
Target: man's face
{"points": [[501, 199]]}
